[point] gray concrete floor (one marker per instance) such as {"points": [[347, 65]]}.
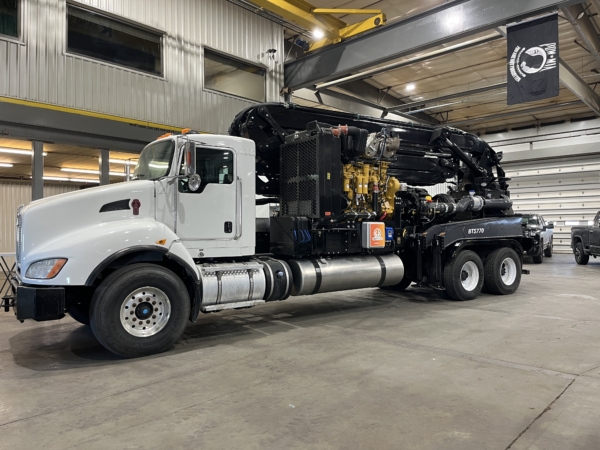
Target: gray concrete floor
{"points": [[366, 369]]}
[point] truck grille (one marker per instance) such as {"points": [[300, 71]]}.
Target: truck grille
{"points": [[19, 246]]}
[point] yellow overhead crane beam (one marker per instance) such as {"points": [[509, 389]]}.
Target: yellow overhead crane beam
{"points": [[308, 16]]}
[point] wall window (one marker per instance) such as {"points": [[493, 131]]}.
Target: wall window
{"points": [[102, 37], [9, 18], [234, 77]]}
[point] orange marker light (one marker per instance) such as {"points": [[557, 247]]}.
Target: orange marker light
{"points": [[56, 268], [161, 242], [164, 135]]}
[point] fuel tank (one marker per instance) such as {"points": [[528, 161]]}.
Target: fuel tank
{"points": [[314, 276]]}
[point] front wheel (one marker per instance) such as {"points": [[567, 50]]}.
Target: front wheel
{"points": [[580, 257], [502, 271], [548, 251], [139, 310], [463, 276], [539, 258]]}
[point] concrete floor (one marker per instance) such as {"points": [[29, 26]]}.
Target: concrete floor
{"points": [[358, 370]]}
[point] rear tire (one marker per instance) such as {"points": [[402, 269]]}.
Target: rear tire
{"points": [[539, 258], [548, 250], [463, 276], [139, 310], [80, 312], [580, 257], [502, 271]]}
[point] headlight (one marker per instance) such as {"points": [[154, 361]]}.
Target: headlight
{"points": [[45, 269]]}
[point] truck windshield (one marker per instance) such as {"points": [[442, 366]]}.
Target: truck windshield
{"points": [[154, 161], [530, 221]]}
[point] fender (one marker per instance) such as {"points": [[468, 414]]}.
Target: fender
{"points": [[88, 247]]}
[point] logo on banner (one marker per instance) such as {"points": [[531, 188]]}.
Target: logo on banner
{"points": [[527, 61]]}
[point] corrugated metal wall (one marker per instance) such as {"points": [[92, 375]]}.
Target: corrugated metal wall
{"points": [[40, 70], [12, 195], [562, 190], [554, 171]]}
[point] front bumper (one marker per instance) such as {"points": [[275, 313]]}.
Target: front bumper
{"points": [[39, 303]]}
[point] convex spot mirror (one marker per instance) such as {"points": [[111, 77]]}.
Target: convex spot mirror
{"points": [[194, 182]]}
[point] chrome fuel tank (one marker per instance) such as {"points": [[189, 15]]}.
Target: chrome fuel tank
{"points": [[314, 276]]}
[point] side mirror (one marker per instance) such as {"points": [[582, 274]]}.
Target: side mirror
{"points": [[189, 152], [550, 226]]}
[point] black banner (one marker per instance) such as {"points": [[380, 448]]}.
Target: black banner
{"points": [[533, 60]]}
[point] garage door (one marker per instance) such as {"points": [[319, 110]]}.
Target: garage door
{"points": [[565, 191]]}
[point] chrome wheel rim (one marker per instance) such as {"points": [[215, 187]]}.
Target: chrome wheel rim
{"points": [[508, 271], [145, 312], [469, 276]]}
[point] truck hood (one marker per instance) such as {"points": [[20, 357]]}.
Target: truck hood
{"points": [[47, 220]]}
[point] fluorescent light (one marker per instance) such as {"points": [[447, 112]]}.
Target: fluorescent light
{"points": [[56, 178], [126, 162], [94, 172], [590, 222], [159, 165], [74, 180], [410, 87], [318, 33], [5, 165], [18, 151], [575, 222], [64, 169]]}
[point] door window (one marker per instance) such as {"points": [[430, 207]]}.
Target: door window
{"points": [[215, 166], [597, 219]]}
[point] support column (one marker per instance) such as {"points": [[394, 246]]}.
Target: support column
{"points": [[37, 170], [104, 166]]}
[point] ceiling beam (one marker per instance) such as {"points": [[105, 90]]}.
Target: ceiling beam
{"points": [[397, 65], [379, 98], [522, 112], [584, 29], [429, 101], [579, 87], [451, 21], [348, 103]]}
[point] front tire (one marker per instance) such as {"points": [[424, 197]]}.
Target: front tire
{"points": [[139, 310], [502, 271], [463, 276], [548, 250], [539, 258], [580, 257]]}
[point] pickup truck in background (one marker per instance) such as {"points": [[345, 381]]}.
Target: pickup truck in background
{"points": [[542, 234], [585, 241]]}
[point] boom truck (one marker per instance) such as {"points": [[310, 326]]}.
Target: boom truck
{"points": [[138, 260]]}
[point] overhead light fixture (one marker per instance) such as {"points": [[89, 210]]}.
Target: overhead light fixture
{"points": [[126, 162], [318, 33], [18, 151], [410, 87], [74, 180], [580, 15], [94, 172], [5, 165]]}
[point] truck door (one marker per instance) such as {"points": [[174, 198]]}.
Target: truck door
{"points": [[595, 235], [209, 215]]}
